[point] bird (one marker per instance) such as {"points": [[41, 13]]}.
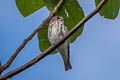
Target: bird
{"points": [[57, 31]]}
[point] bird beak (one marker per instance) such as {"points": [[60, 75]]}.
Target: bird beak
{"points": [[64, 19]]}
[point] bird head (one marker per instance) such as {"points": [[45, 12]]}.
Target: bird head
{"points": [[57, 18]]}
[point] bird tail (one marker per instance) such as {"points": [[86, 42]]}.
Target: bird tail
{"points": [[67, 65], [65, 55]]}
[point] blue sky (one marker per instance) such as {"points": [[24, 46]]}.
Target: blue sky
{"points": [[95, 55]]}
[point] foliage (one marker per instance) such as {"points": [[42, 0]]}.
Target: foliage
{"points": [[110, 10], [71, 10]]}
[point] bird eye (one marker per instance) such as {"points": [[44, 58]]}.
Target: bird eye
{"points": [[58, 17]]}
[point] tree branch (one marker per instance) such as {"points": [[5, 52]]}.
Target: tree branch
{"points": [[53, 47], [9, 62]]}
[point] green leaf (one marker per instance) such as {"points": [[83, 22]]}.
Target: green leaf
{"points": [[119, 3], [110, 9], [27, 7], [71, 11]]}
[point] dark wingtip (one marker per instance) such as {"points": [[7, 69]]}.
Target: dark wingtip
{"points": [[68, 66]]}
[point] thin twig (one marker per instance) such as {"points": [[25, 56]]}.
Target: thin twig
{"points": [[53, 47], [8, 63], [0, 67]]}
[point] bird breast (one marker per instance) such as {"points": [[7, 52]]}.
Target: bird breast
{"points": [[56, 31]]}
